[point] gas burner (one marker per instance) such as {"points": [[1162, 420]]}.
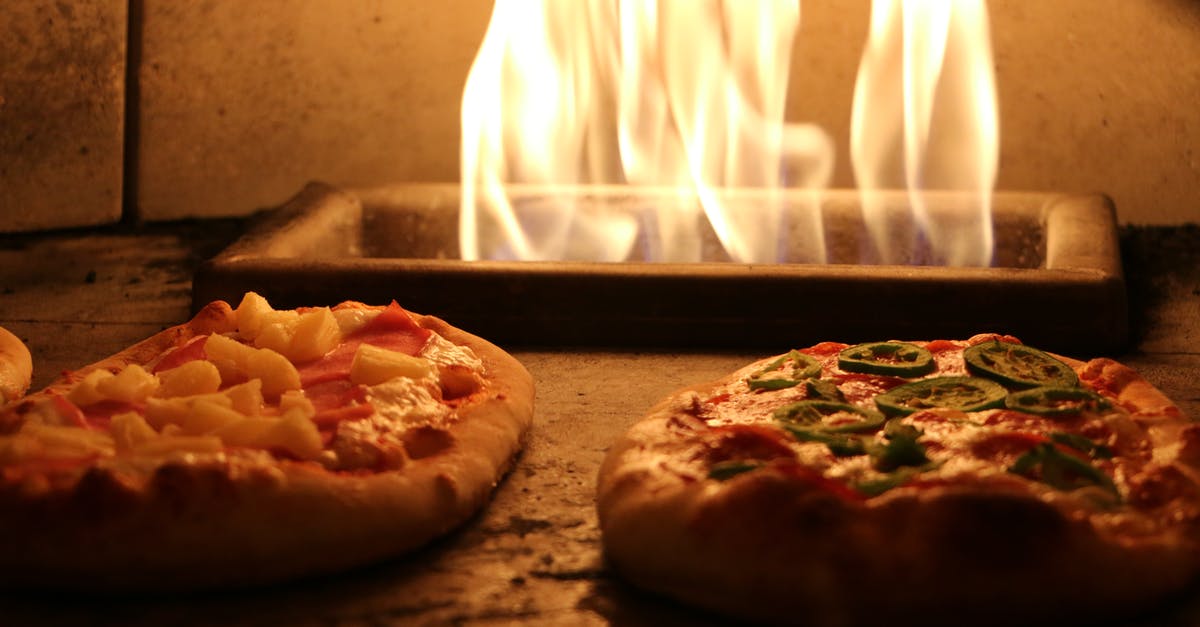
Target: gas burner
{"points": [[1056, 281]]}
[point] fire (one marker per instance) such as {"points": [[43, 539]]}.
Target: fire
{"points": [[587, 103], [925, 118]]}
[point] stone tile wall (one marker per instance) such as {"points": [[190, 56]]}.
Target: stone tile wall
{"points": [[244, 102], [240, 103], [62, 112]]}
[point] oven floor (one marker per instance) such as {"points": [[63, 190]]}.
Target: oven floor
{"points": [[533, 555]]}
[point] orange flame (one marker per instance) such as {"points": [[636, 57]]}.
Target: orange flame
{"points": [[924, 119], [689, 95]]}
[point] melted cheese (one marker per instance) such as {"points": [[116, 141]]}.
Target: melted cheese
{"points": [[443, 352], [408, 402]]}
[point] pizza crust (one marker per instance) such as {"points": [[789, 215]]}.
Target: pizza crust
{"points": [[244, 520], [16, 366], [778, 546]]}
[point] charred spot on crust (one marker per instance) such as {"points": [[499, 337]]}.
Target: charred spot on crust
{"points": [[180, 487], [427, 441], [102, 491], [993, 531]]}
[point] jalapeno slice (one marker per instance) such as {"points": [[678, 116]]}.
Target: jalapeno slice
{"points": [[817, 415], [1017, 365], [962, 393], [1053, 401], [802, 367], [902, 449], [840, 444], [899, 359], [732, 468], [1059, 470]]}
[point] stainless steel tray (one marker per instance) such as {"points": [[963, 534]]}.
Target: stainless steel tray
{"points": [[1057, 283]]}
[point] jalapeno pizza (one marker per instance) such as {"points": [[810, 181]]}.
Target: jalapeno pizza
{"points": [[252, 445], [942, 481]]}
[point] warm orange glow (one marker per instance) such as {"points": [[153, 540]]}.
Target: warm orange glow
{"points": [[687, 94], [690, 95], [925, 119]]}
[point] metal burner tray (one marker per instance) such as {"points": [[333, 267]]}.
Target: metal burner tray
{"points": [[1058, 282]]}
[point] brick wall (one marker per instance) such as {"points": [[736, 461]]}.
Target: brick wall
{"points": [[236, 104]]}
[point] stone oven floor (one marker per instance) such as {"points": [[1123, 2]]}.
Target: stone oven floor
{"points": [[533, 556]]}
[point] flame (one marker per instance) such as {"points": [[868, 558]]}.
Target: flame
{"points": [[924, 118], [686, 94], [689, 96]]}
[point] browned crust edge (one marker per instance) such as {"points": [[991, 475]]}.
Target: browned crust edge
{"points": [[16, 366], [229, 524], [761, 546]]}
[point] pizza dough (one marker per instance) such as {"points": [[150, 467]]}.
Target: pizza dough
{"points": [[16, 366], [805, 488], [254, 445]]}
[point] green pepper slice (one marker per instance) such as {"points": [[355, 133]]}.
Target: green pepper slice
{"points": [[1061, 471], [840, 444], [962, 393], [722, 471], [813, 415], [823, 390], [1053, 401], [901, 449], [893, 479], [1082, 444], [899, 359], [875, 487], [803, 367], [1017, 365]]}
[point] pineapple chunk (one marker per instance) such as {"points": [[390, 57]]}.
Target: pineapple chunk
{"points": [[193, 377], [132, 384], [277, 330], [293, 432], [206, 417], [61, 442], [296, 434], [246, 398], [251, 315], [247, 432], [85, 392], [316, 333], [161, 412], [299, 337], [295, 400], [238, 361], [228, 355], [170, 443], [130, 430], [277, 373], [373, 365]]}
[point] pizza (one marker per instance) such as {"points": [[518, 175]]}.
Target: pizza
{"points": [[16, 366], [942, 482], [254, 445]]}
